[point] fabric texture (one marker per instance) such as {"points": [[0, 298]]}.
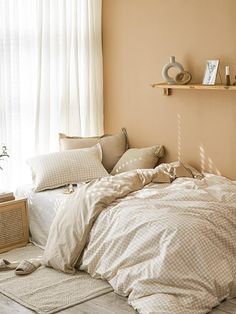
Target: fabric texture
{"points": [[42, 208], [69, 167], [179, 169], [47, 291], [139, 158], [51, 77], [84, 207], [169, 247], [113, 146]]}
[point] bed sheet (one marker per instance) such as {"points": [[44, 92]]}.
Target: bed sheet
{"points": [[42, 207]]}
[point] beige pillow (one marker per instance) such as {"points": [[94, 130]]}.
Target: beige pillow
{"points": [[113, 146], [57, 169], [139, 158]]}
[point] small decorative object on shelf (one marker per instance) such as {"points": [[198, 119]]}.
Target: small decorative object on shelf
{"points": [[171, 64], [210, 72], [227, 76], [234, 83], [183, 78], [3, 154]]}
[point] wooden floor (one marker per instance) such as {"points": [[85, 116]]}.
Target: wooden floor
{"points": [[109, 303]]}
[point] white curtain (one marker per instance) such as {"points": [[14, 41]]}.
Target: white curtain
{"points": [[50, 77]]}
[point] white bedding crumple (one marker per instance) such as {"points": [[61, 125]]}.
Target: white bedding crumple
{"points": [[169, 248]]}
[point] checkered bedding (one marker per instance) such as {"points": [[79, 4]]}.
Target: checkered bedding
{"points": [[171, 248]]}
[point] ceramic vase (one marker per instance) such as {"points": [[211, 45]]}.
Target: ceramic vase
{"points": [[171, 64]]}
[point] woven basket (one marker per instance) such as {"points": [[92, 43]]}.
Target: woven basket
{"points": [[14, 230]]}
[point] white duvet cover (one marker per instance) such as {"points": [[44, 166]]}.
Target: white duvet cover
{"points": [[169, 248]]}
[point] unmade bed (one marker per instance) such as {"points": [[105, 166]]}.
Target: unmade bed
{"points": [[169, 247]]}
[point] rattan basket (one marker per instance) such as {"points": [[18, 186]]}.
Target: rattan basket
{"points": [[14, 229]]}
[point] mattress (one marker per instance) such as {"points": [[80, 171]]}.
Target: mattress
{"points": [[42, 207]]}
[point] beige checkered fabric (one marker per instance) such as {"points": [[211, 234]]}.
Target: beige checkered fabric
{"points": [[57, 169], [170, 248]]}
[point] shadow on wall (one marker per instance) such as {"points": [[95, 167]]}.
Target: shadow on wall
{"points": [[206, 162], [179, 139]]}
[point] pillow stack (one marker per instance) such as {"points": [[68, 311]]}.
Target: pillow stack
{"points": [[83, 159], [113, 146]]}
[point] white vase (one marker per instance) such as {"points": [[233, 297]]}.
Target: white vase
{"points": [[171, 64]]}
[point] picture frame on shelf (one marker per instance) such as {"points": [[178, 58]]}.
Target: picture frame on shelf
{"points": [[211, 71]]}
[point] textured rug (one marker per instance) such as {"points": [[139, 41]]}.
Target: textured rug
{"points": [[47, 291]]}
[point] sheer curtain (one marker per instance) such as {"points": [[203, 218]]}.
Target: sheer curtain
{"points": [[50, 77]]}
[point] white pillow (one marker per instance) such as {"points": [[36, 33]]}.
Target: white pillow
{"points": [[72, 166]]}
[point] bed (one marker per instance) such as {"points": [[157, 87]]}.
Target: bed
{"points": [[42, 210], [169, 247]]}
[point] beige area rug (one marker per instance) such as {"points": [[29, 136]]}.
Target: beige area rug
{"points": [[46, 290]]}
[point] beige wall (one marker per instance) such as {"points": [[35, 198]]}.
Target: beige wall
{"points": [[138, 37]]}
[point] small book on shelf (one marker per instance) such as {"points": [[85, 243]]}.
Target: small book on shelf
{"points": [[6, 196]]}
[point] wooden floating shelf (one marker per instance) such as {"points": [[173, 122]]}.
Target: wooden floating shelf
{"points": [[168, 87]]}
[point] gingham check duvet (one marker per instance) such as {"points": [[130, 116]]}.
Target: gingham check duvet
{"points": [[171, 248]]}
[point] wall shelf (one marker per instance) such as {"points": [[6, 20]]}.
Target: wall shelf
{"points": [[167, 88]]}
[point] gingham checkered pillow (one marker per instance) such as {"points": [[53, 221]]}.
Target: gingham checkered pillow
{"points": [[72, 166]]}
